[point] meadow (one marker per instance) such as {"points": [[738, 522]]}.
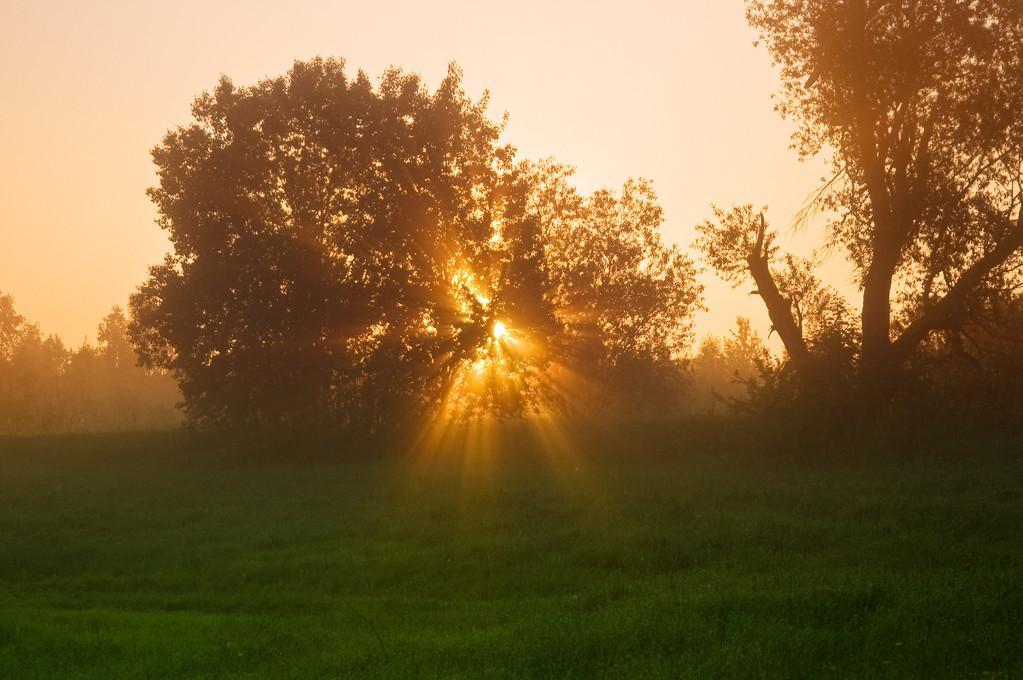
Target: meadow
{"points": [[642, 551]]}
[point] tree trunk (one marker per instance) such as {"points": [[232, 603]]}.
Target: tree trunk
{"points": [[878, 374], [779, 309]]}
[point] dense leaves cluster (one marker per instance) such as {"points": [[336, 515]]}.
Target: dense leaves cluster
{"points": [[344, 252], [920, 106]]}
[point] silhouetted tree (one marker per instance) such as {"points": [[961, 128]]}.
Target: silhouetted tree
{"points": [[317, 224], [30, 368], [106, 389], [114, 342], [44, 387], [920, 105], [727, 371], [11, 327], [974, 369], [624, 298], [345, 253]]}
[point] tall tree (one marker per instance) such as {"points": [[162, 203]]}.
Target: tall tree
{"points": [[344, 253], [624, 298], [317, 223], [920, 107], [114, 341], [11, 326]]}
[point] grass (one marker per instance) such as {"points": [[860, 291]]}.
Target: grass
{"points": [[641, 554]]}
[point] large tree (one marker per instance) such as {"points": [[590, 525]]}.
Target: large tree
{"points": [[317, 223], [919, 105], [352, 253], [623, 297]]}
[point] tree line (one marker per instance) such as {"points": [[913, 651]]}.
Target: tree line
{"points": [[360, 254], [47, 387]]}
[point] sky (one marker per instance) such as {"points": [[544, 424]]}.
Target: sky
{"points": [[672, 91]]}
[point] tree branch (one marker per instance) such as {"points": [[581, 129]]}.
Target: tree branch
{"points": [[944, 311], [779, 309]]}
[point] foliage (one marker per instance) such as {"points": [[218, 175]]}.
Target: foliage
{"points": [[624, 298], [920, 107], [972, 373], [821, 312], [345, 254], [45, 387], [727, 371], [317, 225], [734, 241], [727, 240]]}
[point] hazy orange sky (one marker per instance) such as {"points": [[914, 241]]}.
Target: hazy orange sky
{"points": [[673, 91]]}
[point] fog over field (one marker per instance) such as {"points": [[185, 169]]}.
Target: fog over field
{"points": [[547, 339]]}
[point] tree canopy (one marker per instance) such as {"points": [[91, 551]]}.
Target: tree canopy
{"points": [[345, 252], [920, 107]]}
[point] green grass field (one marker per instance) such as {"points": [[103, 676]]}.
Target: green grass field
{"points": [[637, 555]]}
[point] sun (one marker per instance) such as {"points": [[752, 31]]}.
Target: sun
{"points": [[499, 330]]}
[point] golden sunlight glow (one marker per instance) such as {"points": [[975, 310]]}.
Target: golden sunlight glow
{"points": [[466, 288], [493, 376], [496, 233], [678, 52]]}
